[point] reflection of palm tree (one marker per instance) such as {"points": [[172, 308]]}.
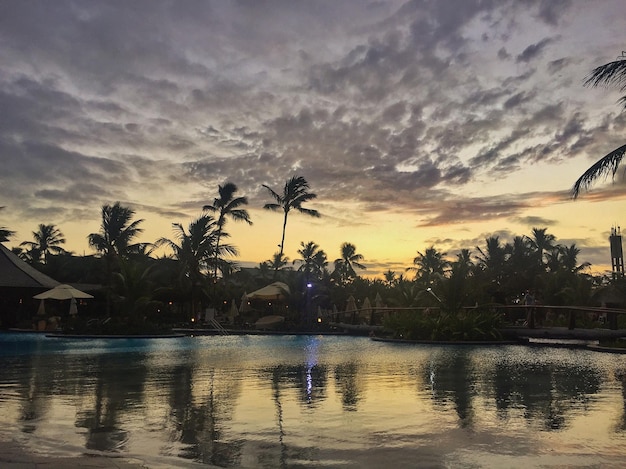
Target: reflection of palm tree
{"points": [[47, 240], [295, 193], [346, 375], [612, 73], [227, 206], [276, 375]]}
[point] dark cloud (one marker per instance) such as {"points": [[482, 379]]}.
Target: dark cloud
{"points": [[399, 105], [533, 51]]}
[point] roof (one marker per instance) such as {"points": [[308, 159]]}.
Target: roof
{"points": [[14, 272]]}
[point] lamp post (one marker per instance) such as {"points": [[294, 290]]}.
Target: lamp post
{"points": [[309, 285], [430, 290]]}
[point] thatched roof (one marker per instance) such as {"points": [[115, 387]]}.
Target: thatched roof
{"points": [[16, 273]]}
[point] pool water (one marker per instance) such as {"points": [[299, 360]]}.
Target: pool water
{"points": [[314, 401]]}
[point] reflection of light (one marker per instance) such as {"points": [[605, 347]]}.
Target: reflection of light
{"points": [[309, 384], [311, 361]]}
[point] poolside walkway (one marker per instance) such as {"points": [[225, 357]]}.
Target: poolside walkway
{"points": [[15, 456]]}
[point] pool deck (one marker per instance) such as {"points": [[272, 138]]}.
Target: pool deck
{"points": [[13, 456]]}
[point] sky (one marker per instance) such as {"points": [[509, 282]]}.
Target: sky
{"points": [[417, 123]]}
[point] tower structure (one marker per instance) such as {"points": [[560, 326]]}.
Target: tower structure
{"points": [[617, 254]]}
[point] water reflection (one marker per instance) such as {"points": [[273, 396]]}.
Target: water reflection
{"points": [[287, 402]]}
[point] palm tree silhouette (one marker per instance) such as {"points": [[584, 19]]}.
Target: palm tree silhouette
{"points": [[47, 240], [313, 261], [295, 193], [542, 242], [344, 266], [5, 233], [195, 250], [114, 239], [610, 74], [226, 206], [430, 265]]}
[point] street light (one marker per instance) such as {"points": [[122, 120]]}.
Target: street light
{"points": [[430, 290]]}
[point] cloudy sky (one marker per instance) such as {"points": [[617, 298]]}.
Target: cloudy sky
{"points": [[416, 123]]}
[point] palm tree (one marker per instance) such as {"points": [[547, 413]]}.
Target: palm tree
{"points": [[390, 278], [226, 206], [344, 266], [195, 251], [430, 265], [612, 73], [277, 262], [542, 242], [47, 240], [295, 193], [5, 233], [113, 241], [313, 261], [116, 232]]}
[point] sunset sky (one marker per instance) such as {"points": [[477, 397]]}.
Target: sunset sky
{"points": [[416, 123]]}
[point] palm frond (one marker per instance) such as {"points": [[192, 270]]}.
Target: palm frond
{"points": [[602, 168], [610, 74]]}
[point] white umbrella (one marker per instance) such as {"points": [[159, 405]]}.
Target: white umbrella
{"points": [[73, 307], [62, 292], [273, 291], [378, 301], [351, 309], [366, 309], [41, 311]]}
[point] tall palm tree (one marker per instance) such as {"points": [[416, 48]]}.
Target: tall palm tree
{"points": [[227, 206], [114, 240], [295, 193], [344, 266], [5, 233], [610, 74], [47, 240]]}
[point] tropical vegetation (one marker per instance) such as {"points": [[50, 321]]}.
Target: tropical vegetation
{"points": [[455, 295]]}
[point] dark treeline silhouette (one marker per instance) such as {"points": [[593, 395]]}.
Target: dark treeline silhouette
{"points": [[198, 270]]}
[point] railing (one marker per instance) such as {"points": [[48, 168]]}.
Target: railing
{"points": [[218, 326], [531, 317]]}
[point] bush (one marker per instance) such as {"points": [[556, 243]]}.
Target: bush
{"points": [[475, 325]]}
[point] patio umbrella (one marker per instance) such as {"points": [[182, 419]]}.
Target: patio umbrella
{"points": [[378, 301], [245, 304], [366, 309], [351, 309], [62, 292], [273, 291], [73, 307]]}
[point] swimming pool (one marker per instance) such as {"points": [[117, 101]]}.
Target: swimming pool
{"points": [[311, 401]]}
